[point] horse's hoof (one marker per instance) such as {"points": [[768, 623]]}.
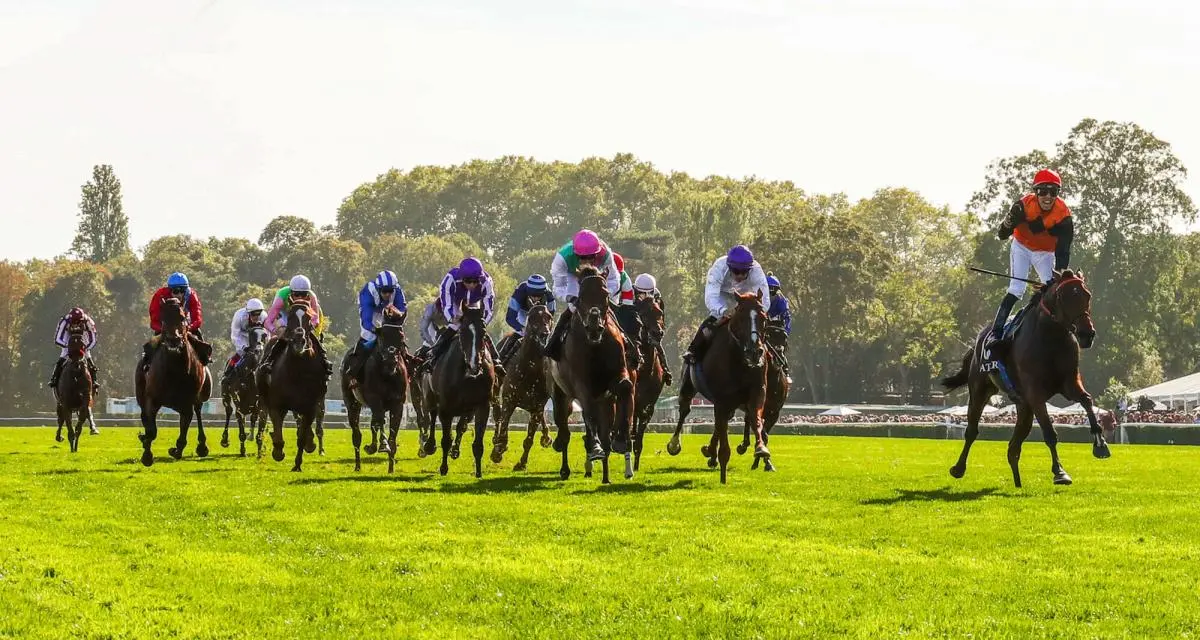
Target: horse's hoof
{"points": [[1062, 478], [520, 466], [421, 452], [546, 441], [309, 447], [497, 456], [761, 451], [277, 454], [243, 453], [94, 431], [443, 470], [741, 448], [176, 453], [296, 469], [1101, 451], [454, 453], [564, 474], [704, 452], [58, 438], [224, 442], [673, 447], [558, 446], [478, 475], [596, 455], [768, 466], [147, 458], [202, 450], [629, 475], [430, 448], [712, 463], [621, 446], [321, 452], [957, 471], [370, 449], [357, 466]]}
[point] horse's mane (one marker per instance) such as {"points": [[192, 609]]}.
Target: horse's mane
{"points": [[392, 314], [588, 270]]}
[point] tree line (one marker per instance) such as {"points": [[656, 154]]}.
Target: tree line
{"points": [[881, 298]]}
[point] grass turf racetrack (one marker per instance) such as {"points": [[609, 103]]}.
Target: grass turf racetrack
{"points": [[858, 537]]}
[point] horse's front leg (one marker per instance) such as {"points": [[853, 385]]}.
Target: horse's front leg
{"points": [[481, 419], [185, 422], [228, 416], [687, 392], [503, 414], [201, 440], [304, 425], [1050, 436], [1077, 393], [395, 413], [149, 433], [277, 416]]}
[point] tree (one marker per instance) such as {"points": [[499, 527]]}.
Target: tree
{"points": [[287, 233], [103, 232], [14, 285], [337, 271]]}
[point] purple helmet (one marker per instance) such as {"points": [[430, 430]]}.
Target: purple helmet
{"points": [[470, 268], [739, 258]]}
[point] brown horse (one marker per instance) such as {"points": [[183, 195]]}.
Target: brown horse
{"points": [[525, 387], [1043, 360], [777, 392], [240, 395], [176, 380], [297, 384], [733, 375], [419, 385], [462, 383], [650, 375], [74, 392], [592, 371], [384, 387]]}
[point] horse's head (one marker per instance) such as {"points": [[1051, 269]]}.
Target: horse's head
{"points": [[173, 329], [748, 326], [391, 340], [299, 327], [592, 306], [471, 334], [256, 344], [1069, 303], [653, 320], [76, 345], [539, 324]]}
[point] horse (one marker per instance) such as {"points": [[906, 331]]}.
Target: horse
{"points": [[178, 380], [240, 394], [74, 392], [419, 384], [384, 387], [650, 375], [1043, 360], [592, 371], [777, 392], [461, 385], [296, 384], [733, 375], [525, 387]]}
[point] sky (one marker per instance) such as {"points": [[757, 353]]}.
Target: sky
{"points": [[219, 115]]}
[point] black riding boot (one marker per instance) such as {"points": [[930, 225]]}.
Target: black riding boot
{"points": [[227, 375], [269, 361], [58, 367], [662, 357], [319, 347], [695, 350], [632, 326], [147, 355], [554, 346], [510, 349], [440, 347], [497, 364], [91, 365], [1006, 306]]}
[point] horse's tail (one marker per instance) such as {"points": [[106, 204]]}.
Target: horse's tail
{"points": [[960, 378]]}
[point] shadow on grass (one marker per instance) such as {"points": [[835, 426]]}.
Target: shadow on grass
{"points": [[701, 467], [359, 477], [944, 494], [64, 472], [633, 486], [507, 484]]}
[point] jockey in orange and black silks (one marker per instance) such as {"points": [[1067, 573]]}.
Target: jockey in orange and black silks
{"points": [[1042, 230]]}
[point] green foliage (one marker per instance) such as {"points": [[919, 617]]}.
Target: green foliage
{"points": [[103, 232]]}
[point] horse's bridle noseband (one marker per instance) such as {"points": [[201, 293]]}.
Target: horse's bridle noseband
{"points": [[1052, 294]]}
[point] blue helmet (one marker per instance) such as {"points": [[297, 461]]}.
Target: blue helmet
{"points": [[177, 280], [739, 257], [470, 268], [536, 282], [772, 282], [385, 280]]}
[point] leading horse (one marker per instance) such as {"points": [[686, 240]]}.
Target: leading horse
{"points": [[525, 387], [733, 375], [593, 372], [239, 394], [74, 392], [297, 384], [461, 385], [1043, 360], [177, 380], [384, 388]]}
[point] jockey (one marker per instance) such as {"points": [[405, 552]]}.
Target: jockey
{"points": [[1042, 230], [75, 319], [627, 316], [527, 295], [585, 249], [780, 314], [373, 298], [178, 288], [471, 284], [244, 319], [734, 273], [645, 286], [432, 322], [298, 289]]}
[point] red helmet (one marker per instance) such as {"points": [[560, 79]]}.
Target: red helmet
{"points": [[1047, 176], [619, 261], [76, 315]]}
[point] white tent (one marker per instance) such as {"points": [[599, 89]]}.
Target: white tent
{"points": [[1007, 410], [962, 410], [1185, 390], [840, 411]]}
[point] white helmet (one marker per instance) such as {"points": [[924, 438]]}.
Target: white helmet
{"points": [[254, 304], [645, 282], [300, 283]]}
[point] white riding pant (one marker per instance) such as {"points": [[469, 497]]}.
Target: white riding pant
{"points": [[1020, 259]]}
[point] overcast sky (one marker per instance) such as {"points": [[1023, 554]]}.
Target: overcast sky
{"points": [[221, 114]]}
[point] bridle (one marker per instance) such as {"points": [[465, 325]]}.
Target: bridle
{"points": [[1053, 313]]}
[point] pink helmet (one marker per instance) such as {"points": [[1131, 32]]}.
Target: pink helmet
{"points": [[586, 243]]}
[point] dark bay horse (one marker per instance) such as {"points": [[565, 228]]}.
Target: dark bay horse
{"points": [[384, 388], [1042, 360], [297, 384], [461, 385], [525, 387], [592, 371], [74, 392], [419, 385], [650, 375], [733, 375], [777, 392], [176, 380], [240, 394]]}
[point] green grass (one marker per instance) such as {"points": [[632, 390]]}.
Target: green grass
{"points": [[853, 537]]}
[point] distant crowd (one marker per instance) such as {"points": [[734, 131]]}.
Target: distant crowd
{"points": [[1150, 417]]}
